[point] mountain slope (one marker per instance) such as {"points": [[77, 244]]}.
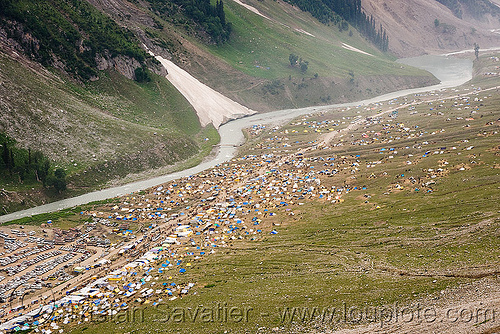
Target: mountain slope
{"points": [[253, 67], [88, 113], [471, 8], [69, 35], [102, 131], [420, 26]]}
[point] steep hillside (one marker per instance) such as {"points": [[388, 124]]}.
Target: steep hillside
{"points": [[71, 36], [241, 49], [80, 92], [253, 67], [476, 9], [96, 132], [417, 27]]}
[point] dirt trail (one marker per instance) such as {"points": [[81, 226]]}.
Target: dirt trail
{"points": [[328, 137]]}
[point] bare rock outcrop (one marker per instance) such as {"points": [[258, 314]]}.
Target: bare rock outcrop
{"points": [[122, 64]]}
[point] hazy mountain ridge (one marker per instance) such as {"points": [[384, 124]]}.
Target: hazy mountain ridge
{"points": [[417, 27], [471, 8]]}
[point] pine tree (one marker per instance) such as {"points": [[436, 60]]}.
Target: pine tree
{"points": [[12, 161], [6, 155], [220, 12]]}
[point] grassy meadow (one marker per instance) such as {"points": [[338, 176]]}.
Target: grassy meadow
{"points": [[419, 220]]}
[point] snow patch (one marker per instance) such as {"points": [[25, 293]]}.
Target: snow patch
{"points": [[256, 11], [304, 32], [352, 48], [252, 9], [210, 105]]}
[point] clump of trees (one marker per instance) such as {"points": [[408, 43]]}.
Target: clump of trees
{"points": [[69, 31], [27, 166], [444, 27], [296, 61], [58, 180], [351, 76], [142, 74], [273, 87], [345, 12], [202, 15], [475, 8]]}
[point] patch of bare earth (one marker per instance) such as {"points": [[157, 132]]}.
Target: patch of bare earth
{"points": [[470, 308]]}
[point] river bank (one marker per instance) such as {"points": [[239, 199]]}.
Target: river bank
{"points": [[450, 71]]}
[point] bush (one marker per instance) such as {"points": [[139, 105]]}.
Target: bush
{"points": [[142, 74], [58, 180], [273, 87]]}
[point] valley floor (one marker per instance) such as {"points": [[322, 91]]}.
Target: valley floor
{"points": [[382, 218]]}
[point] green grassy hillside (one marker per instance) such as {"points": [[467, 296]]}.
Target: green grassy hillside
{"points": [[97, 132], [253, 66], [260, 48], [102, 129]]}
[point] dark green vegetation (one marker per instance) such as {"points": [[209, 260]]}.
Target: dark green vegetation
{"points": [[476, 8], [28, 167], [207, 18], [69, 31], [417, 231], [342, 12], [296, 61]]}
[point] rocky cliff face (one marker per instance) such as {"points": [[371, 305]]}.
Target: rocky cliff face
{"points": [[122, 64], [28, 45], [23, 43], [13, 37]]}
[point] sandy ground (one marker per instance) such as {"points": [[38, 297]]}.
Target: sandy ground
{"points": [[210, 105]]}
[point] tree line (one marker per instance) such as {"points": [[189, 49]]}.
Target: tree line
{"points": [[27, 166], [207, 17], [475, 8], [70, 31], [345, 12]]}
